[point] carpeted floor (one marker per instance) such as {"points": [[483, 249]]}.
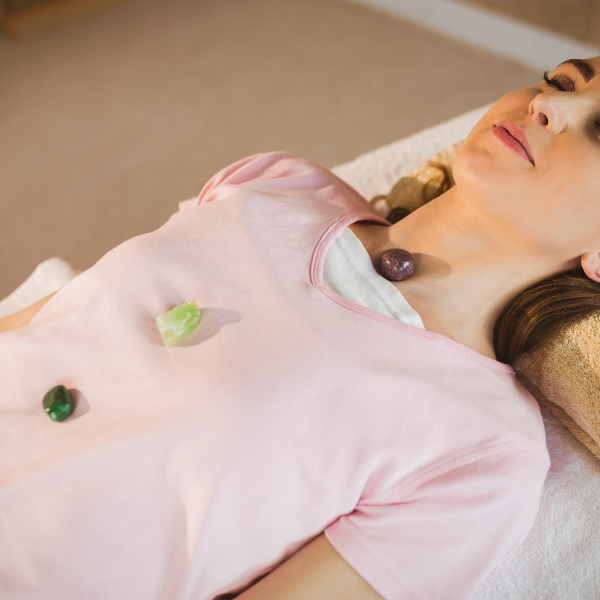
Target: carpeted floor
{"points": [[108, 121]]}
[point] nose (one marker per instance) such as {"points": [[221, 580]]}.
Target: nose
{"points": [[558, 111], [550, 110]]}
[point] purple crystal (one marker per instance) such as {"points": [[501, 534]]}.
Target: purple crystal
{"points": [[396, 264]]}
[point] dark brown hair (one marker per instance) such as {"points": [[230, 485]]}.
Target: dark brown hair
{"points": [[539, 312], [542, 310]]}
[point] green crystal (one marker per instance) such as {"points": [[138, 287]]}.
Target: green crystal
{"points": [[58, 403], [178, 323]]}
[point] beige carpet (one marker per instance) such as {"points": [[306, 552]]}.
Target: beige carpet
{"points": [[108, 121]]}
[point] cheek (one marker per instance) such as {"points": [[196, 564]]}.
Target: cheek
{"points": [[556, 211], [484, 166], [574, 204], [505, 200]]}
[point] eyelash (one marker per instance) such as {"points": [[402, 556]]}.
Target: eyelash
{"points": [[564, 84]]}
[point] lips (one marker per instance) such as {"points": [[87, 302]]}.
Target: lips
{"points": [[514, 137]]}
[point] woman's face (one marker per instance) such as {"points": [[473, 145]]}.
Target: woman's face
{"points": [[531, 165]]}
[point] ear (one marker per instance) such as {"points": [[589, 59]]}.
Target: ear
{"points": [[590, 262]]}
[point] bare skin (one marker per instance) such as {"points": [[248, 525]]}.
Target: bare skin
{"points": [[316, 572], [507, 224], [23, 317]]}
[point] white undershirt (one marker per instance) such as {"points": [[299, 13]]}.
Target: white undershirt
{"points": [[349, 272]]}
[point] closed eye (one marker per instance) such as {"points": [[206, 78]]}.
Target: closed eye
{"points": [[562, 83]]}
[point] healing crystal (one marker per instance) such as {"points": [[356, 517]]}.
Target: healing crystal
{"points": [[178, 322], [396, 264], [58, 403]]}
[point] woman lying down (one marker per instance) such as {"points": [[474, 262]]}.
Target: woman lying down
{"points": [[341, 423]]}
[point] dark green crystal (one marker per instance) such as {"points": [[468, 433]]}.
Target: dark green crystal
{"points": [[58, 403]]}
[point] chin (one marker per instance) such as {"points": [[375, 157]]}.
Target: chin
{"points": [[476, 166], [482, 163], [488, 182]]}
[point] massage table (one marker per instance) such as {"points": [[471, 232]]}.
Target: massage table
{"points": [[560, 558]]}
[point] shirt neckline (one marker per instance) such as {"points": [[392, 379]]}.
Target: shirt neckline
{"points": [[357, 275], [316, 279]]}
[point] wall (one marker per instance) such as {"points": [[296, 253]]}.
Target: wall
{"points": [[579, 19]]}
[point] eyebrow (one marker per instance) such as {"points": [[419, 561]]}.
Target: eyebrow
{"points": [[584, 67]]}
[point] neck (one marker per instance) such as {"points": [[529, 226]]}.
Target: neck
{"points": [[468, 270]]}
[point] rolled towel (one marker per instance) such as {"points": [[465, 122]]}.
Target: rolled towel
{"points": [[564, 374]]}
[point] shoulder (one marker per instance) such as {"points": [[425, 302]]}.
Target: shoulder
{"points": [[277, 167], [274, 173]]}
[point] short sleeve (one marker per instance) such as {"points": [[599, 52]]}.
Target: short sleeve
{"points": [[442, 539], [258, 167]]}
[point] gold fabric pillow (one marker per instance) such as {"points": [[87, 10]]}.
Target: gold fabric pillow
{"points": [[564, 372]]}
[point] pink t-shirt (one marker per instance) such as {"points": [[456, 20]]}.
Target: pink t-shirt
{"points": [[191, 471]]}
